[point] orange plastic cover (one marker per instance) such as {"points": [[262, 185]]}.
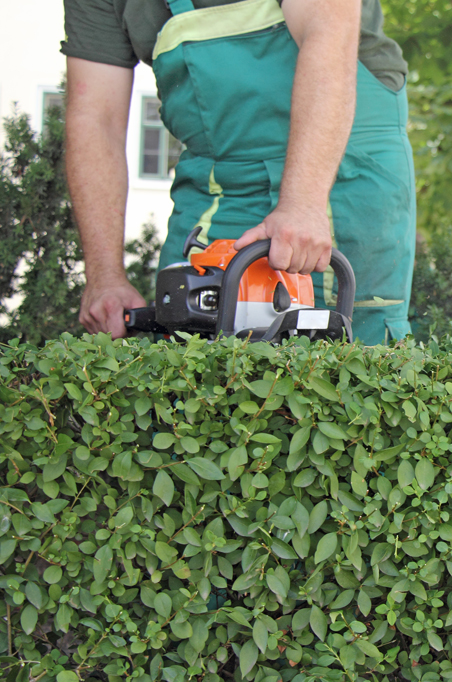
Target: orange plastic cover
{"points": [[259, 281]]}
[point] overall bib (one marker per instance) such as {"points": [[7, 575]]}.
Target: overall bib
{"points": [[225, 77]]}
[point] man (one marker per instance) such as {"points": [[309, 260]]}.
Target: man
{"points": [[231, 75]]}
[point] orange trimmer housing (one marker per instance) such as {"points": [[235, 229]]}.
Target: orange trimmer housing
{"points": [[259, 281]]}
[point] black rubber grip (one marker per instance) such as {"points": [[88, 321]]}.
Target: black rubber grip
{"points": [[233, 274]]}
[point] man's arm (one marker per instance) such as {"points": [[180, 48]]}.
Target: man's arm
{"points": [[96, 128], [322, 110]]}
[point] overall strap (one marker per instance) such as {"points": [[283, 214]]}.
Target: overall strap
{"points": [[179, 6]]}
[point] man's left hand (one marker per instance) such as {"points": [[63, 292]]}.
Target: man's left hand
{"points": [[300, 239]]}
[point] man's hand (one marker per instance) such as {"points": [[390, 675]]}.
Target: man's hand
{"points": [[103, 305], [300, 241]]}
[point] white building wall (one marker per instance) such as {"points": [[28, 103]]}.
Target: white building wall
{"points": [[31, 64]]}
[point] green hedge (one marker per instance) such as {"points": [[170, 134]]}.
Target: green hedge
{"points": [[225, 511]]}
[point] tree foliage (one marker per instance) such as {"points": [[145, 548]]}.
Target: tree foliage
{"points": [[41, 262], [423, 28], [39, 236]]}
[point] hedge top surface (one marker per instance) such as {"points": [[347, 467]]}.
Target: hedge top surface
{"points": [[226, 510]]}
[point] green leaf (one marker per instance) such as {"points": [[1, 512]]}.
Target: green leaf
{"points": [[348, 655], [368, 649], [425, 473], [53, 574], [42, 512], [34, 594], [185, 474], [305, 478], [181, 630], [282, 549], [299, 439], [238, 457], [323, 388], [318, 622], [302, 545], [205, 469], [102, 563], [364, 603], [165, 552], [349, 501], [300, 517], [418, 590], [435, 641], [249, 407], [124, 517], [266, 438], [317, 516], [295, 460], [359, 484], [7, 547], [162, 441], [74, 392], [163, 604], [276, 483], [261, 388], [260, 635], [163, 487], [320, 443], [192, 537], [67, 676], [301, 619], [381, 552], [189, 444], [109, 363], [326, 547], [445, 532], [142, 406], [276, 587], [28, 619], [405, 473], [388, 454], [248, 657], [200, 634], [342, 600], [332, 430]]}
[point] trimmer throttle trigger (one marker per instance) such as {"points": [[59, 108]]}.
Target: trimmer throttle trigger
{"points": [[192, 242]]}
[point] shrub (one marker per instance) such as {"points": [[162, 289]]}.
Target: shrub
{"points": [[225, 511], [431, 303]]}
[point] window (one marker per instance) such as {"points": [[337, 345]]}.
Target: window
{"points": [[49, 100], [52, 99], [160, 151]]}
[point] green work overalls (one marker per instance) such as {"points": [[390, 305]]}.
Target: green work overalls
{"points": [[225, 76]]}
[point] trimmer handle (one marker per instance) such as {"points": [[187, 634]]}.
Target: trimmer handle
{"points": [[237, 266]]}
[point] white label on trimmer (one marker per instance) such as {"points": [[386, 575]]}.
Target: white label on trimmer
{"points": [[313, 319]]}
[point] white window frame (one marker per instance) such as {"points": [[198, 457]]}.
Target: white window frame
{"points": [[44, 90], [164, 141]]}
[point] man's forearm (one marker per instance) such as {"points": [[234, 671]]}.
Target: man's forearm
{"points": [[323, 100], [96, 125], [97, 177], [323, 103]]}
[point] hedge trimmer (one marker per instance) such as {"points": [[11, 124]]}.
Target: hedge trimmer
{"points": [[225, 292]]}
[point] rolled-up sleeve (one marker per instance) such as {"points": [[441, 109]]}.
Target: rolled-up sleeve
{"points": [[94, 32]]}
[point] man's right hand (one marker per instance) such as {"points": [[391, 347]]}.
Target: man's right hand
{"points": [[102, 308]]}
